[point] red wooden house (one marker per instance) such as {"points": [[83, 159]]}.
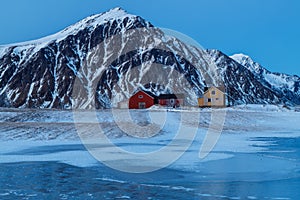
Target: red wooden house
{"points": [[141, 100]]}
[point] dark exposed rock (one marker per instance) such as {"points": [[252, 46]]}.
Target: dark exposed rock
{"points": [[41, 74]]}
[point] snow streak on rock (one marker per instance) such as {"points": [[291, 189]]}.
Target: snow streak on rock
{"points": [[41, 73]]}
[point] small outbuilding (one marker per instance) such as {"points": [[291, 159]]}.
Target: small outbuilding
{"points": [[213, 97], [123, 104], [171, 100]]}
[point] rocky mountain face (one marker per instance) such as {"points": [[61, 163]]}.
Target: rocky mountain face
{"points": [[114, 53], [41, 73], [248, 82], [286, 87]]}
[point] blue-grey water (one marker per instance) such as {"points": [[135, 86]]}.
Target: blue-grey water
{"points": [[219, 179]]}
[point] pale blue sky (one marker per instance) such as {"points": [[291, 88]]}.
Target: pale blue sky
{"points": [[267, 30]]}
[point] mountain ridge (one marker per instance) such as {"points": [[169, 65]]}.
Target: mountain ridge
{"points": [[92, 20], [279, 82], [41, 73]]}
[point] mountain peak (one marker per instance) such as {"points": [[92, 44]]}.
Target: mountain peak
{"points": [[240, 58], [114, 13], [89, 22], [117, 9], [94, 20], [247, 62]]}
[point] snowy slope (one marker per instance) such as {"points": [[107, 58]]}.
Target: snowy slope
{"points": [[91, 22], [40, 73], [286, 86], [243, 87]]}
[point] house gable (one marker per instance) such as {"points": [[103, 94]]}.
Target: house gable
{"points": [[213, 88], [141, 92]]}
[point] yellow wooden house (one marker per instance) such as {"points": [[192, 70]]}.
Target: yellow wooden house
{"points": [[213, 97]]}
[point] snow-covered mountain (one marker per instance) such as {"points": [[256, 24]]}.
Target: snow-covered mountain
{"points": [[285, 86], [241, 84], [42, 73]]}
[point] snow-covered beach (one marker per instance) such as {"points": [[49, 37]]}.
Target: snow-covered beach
{"points": [[256, 157]]}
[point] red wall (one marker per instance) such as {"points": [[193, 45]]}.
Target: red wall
{"points": [[135, 100], [165, 102]]}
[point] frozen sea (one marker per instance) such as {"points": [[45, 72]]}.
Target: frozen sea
{"points": [[256, 157]]}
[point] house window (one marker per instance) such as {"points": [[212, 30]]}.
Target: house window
{"points": [[217, 99], [142, 105], [208, 100], [141, 96], [213, 92]]}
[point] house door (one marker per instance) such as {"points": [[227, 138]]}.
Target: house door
{"points": [[142, 105], [172, 102]]}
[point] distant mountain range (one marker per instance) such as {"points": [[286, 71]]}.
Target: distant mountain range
{"points": [[42, 73], [247, 82]]}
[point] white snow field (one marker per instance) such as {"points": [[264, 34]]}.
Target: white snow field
{"points": [[256, 156]]}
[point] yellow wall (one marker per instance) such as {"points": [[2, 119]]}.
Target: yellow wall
{"points": [[217, 99], [201, 102]]}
